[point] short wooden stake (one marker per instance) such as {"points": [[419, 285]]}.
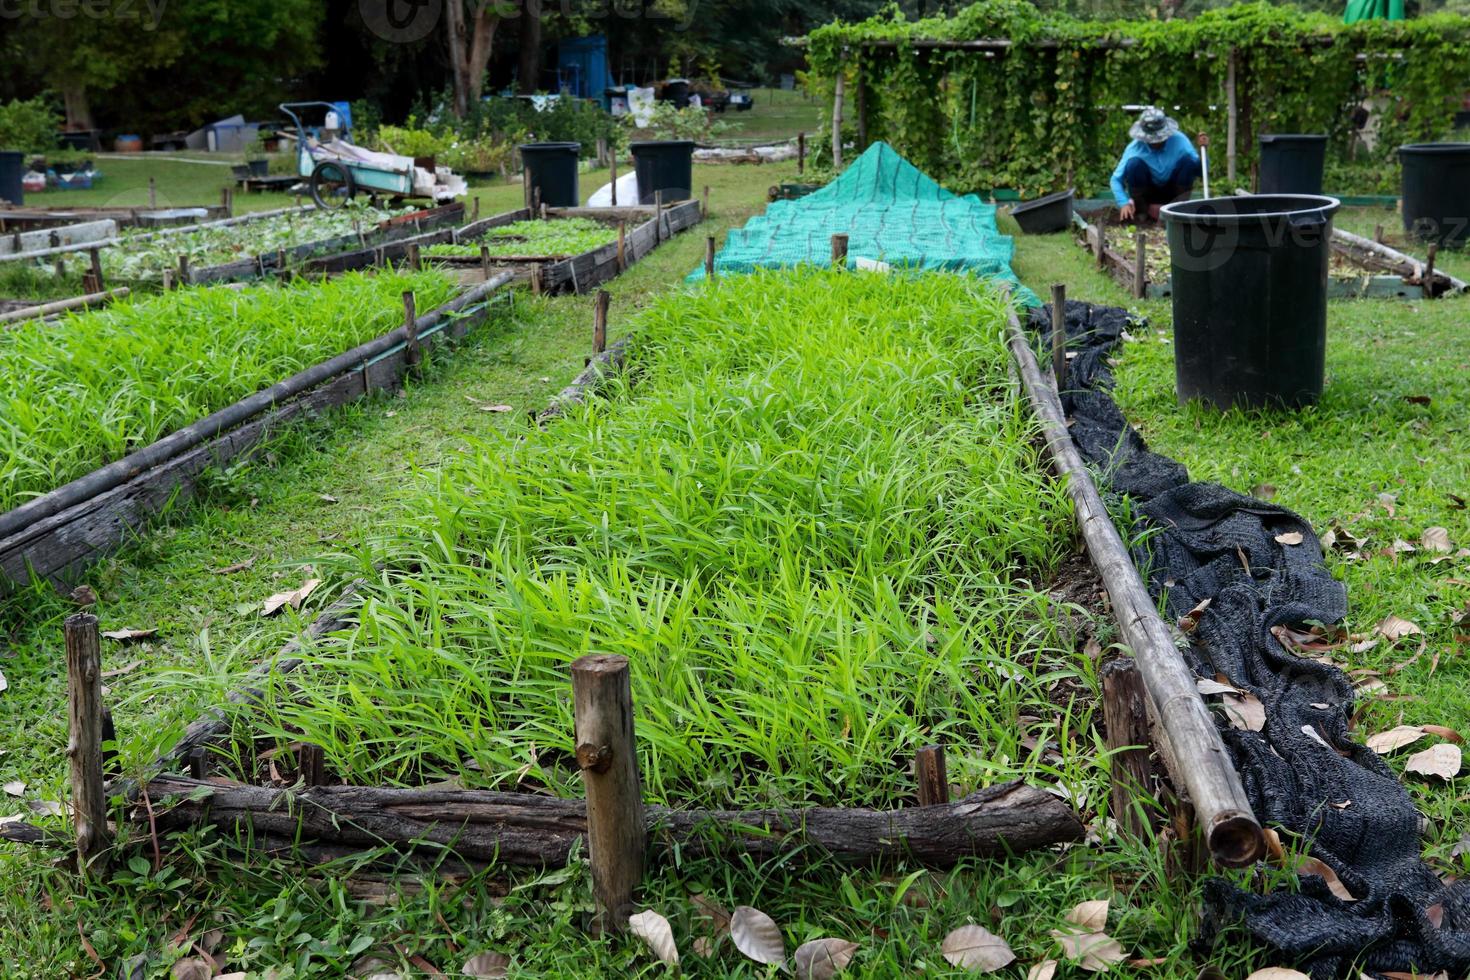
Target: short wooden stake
{"points": [[475, 213], [184, 277], [60, 268], [704, 204], [535, 280], [84, 747], [1125, 716], [801, 152], [413, 354], [1378, 234], [931, 775], [658, 215], [536, 203], [612, 175], [541, 208], [622, 246], [415, 262], [1429, 270], [227, 201], [602, 701], [95, 256], [152, 193], [839, 251], [1059, 334], [1140, 283], [485, 261], [311, 765], [1099, 246], [198, 762], [709, 257], [599, 321], [168, 280]]}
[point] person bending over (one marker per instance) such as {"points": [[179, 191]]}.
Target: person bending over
{"points": [[1158, 167]]}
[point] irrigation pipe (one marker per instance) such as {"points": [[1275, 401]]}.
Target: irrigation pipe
{"points": [[120, 471], [1190, 742]]}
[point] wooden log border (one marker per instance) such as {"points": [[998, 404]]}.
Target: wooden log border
{"points": [[585, 272], [1367, 286], [55, 546]]}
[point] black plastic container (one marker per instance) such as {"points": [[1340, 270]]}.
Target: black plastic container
{"points": [[12, 173], [1250, 298], [664, 165], [1436, 191], [1291, 163], [551, 170], [1047, 214]]}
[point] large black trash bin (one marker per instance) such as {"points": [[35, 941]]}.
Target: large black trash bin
{"points": [[1291, 163], [1436, 191], [1250, 298], [551, 172], [664, 165], [12, 174]]}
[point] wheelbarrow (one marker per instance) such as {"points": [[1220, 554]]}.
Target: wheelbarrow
{"points": [[337, 170]]}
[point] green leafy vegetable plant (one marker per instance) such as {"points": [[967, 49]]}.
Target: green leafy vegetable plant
{"points": [[559, 237]]}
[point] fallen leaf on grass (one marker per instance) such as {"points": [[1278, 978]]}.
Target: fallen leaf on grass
{"points": [[1263, 491], [83, 595], [1395, 738], [1096, 950], [126, 668], [654, 930], [4, 684], [977, 949], [757, 936], [1387, 502], [1245, 711], [326, 498], [1443, 732], [130, 636], [191, 968], [294, 598], [496, 408], [1090, 916], [1290, 537], [1044, 970], [1395, 628], [1207, 687], [1442, 760], [1312, 866], [239, 566], [1278, 973], [1436, 539], [822, 959], [15, 788]]}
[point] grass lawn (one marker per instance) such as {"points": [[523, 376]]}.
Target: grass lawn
{"points": [[776, 115]]}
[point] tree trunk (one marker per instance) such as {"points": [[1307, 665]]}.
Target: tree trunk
{"points": [[78, 107], [454, 36], [482, 41], [528, 72]]}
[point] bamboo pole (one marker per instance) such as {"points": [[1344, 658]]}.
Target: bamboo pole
{"points": [[931, 776], [1375, 254], [84, 745], [599, 321], [837, 119], [602, 700], [61, 305], [1232, 112], [1202, 768]]}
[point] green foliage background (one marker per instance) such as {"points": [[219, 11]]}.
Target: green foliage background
{"points": [[1048, 112]]}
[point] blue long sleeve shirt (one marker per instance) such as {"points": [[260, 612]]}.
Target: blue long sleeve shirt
{"points": [[1160, 161]]}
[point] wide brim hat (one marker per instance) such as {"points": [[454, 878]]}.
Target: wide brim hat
{"points": [[1153, 126]]}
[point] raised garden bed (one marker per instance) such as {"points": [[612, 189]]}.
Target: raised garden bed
{"points": [[1356, 270], [52, 535], [26, 219], [632, 232]]}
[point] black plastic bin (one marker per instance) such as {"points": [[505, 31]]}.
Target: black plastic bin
{"points": [[1045, 215], [1250, 298], [1436, 191], [551, 172], [1291, 163], [12, 174], [664, 165]]}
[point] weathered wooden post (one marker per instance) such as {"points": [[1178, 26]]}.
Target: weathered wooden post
{"points": [[612, 176], [801, 152], [1125, 716], [1429, 270], [709, 257], [599, 321], [311, 764], [485, 261], [84, 745], [602, 700], [704, 204], [96, 257], [931, 775], [622, 246], [658, 215], [838, 88], [412, 354], [1140, 267], [839, 251], [1232, 112], [1059, 334], [475, 213], [183, 271], [415, 261]]}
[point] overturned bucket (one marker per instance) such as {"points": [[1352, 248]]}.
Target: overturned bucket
{"points": [[1250, 298]]}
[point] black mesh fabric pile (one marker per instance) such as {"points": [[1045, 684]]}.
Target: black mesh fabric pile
{"points": [[1208, 542]]}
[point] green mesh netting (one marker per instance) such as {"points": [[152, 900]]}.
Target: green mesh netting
{"points": [[891, 211]]}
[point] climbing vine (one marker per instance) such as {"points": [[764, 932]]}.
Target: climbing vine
{"points": [[1048, 111]]}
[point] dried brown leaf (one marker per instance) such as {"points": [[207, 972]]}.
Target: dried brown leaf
{"points": [[1206, 687], [1442, 760], [1245, 711], [1278, 973], [1436, 539], [1044, 970], [191, 968], [1312, 866], [1289, 538], [822, 959], [977, 949], [1096, 950], [1395, 738], [1190, 620], [1443, 732], [238, 566], [293, 598], [130, 636], [757, 936], [14, 788], [655, 930], [496, 408], [1395, 628], [1090, 916]]}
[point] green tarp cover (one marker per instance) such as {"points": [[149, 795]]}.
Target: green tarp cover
{"points": [[891, 211], [1373, 10]]}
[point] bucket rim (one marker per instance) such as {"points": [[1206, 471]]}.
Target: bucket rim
{"points": [[555, 145], [1434, 148], [1298, 137], [647, 144], [1187, 213], [1053, 198]]}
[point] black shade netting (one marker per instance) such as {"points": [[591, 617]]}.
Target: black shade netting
{"points": [[1303, 771]]}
